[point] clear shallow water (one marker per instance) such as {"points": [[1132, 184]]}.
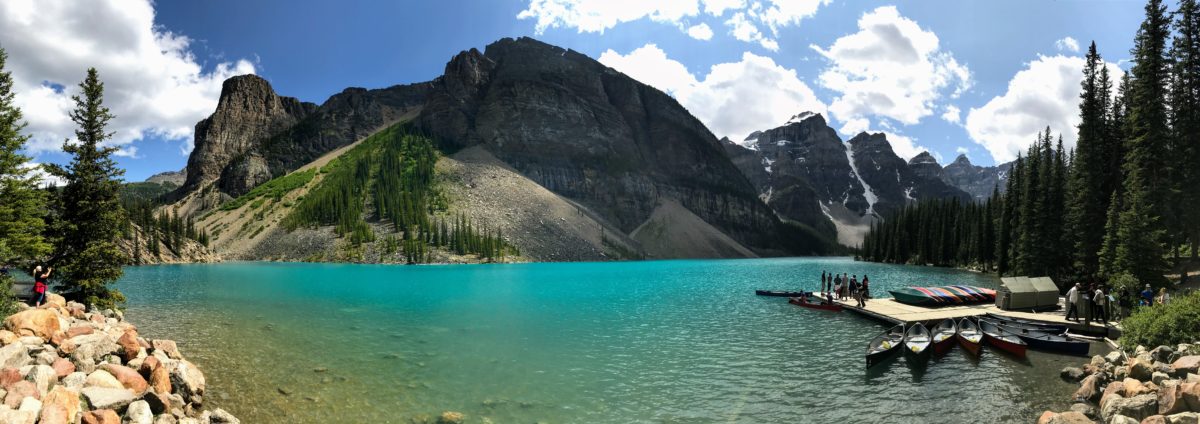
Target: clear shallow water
{"points": [[622, 342]]}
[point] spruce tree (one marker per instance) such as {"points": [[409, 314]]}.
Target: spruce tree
{"points": [[1185, 124], [1147, 161], [22, 205], [1089, 198], [88, 259]]}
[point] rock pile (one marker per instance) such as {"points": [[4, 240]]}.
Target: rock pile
{"points": [[1156, 386], [66, 363]]}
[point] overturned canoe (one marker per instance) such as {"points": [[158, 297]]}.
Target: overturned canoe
{"points": [[945, 295], [778, 293]]}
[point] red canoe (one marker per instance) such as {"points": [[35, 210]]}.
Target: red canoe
{"points": [[943, 336], [969, 336], [1003, 340], [803, 301]]}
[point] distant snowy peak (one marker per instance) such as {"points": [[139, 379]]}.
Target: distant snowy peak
{"points": [[802, 116]]}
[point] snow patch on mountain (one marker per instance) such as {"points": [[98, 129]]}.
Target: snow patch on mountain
{"points": [[867, 192]]}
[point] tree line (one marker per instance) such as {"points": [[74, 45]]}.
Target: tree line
{"points": [[1117, 207], [391, 175]]}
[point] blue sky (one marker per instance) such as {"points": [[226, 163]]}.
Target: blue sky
{"points": [[1007, 63]]}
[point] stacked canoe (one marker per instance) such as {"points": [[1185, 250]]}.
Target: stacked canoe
{"points": [[945, 295]]}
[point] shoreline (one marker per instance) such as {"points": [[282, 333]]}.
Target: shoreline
{"points": [[64, 362], [1155, 386]]}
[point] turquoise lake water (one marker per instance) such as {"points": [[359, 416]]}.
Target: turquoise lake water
{"points": [[619, 342]]}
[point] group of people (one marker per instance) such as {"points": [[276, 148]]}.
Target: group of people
{"points": [[1098, 302], [846, 286]]}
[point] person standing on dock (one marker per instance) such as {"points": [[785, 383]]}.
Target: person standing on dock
{"points": [[1072, 299], [1085, 304], [822, 282], [1098, 305], [866, 290], [845, 286], [854, 287], [837, 287]]}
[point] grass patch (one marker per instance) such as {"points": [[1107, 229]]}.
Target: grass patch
{"points": [[274, 189]]}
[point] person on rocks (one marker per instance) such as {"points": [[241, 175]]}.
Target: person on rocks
{"points": [[39, 284], [1072, 299]]}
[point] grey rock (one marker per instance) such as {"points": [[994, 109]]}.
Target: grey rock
{"points": [[165, 419], [1138, 407], [10, 416], [1115, 357], [45, 358], [1086, 409], [42, 377], [14, 355], [139, 413], [1184, 418], [1121, 419], [221, 416], [1159, 377], [31, 341], [187, 380], [75, 380], [91, 348], [1162, 353], [108, 398], [1072, 374]]}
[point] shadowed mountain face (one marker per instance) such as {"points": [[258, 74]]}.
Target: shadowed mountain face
{"points": [[807, 174], [978, 181], [617, 148], [592, 134]]}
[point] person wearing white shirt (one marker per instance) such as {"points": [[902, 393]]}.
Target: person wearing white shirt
{"points": [[1072, 299]]}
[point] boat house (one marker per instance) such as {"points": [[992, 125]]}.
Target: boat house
{"points": [[1027, 293]]}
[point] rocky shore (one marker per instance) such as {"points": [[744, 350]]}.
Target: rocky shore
{"points": [[1156, 386], [67, 363]]}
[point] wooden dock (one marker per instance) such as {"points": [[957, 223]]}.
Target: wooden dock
{"points": [[891, 311]]}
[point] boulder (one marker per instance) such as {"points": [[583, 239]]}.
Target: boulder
{"points": [[1141, 369], [139, 413], [91, 348], [18, 392], [14, 355], [101, 416], [1155, 419], [1135, 388], [129, 345], [159, 402], [10, 416], [8, 376], [165, 419], [7, 337], [108, 398], [1114, 388], [1115, 357], [1097, 361], [168, 347], [1162, 353], [61, 405], [129, 378], [187, 380], [221, 416], [1138, 407], [1184, 418], [1072, 374], [1087, 410], [42, 377], [450, 417], [62, 368], [1192, 378], [1191, 395], [45, 357], [159, 379], [102, 378], [1187, 364], [1170, 400], [1089, 389], [56, 300], [75, 380], [1051, 417], [1158, 378], [79, 330], [42, 323]]}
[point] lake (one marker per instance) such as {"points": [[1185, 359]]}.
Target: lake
{"points": [[620, 342]]}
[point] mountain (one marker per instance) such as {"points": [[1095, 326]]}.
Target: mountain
{"points": [[806, 174], [978, 181], [567, 158], [175, 178]]}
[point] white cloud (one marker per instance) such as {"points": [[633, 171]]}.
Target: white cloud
{"points": [[152, 82], [744, 23], [700, 32], [1067, 44], [890, 68], [44, 178], [951, 114], [960, 150], [733, 99], [906, 147], [1045, 93]]}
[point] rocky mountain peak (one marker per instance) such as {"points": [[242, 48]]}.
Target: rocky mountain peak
{"points": [[248, 110], [961, 160], [804, 116], [923, 158]]}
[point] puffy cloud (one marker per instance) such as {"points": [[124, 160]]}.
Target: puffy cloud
{"points": [[733, 99], [1045, 93], [152, 82], [906, 147], [44, 178], [951, 114], [744, 23], [960, 150], [700, 32], [890, 68], [1067, 44]]}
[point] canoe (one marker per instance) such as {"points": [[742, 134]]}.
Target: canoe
{"points": [[885, 345], [945, 295], [969, 336], [1000, 339], [943, 336], [807, 303], [777, 293], [1044, 326], [917, 343], [1045, 341], [1017, 328]]}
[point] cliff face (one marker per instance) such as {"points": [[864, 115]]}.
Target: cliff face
{"points": [[978, 181], [247, 112], [255, 135], [593, 135]]}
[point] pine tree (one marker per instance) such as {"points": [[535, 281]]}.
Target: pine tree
{"points": [[1146, 160], [1185, 123], [91, 214], [22, 205], [1089, 198]]}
